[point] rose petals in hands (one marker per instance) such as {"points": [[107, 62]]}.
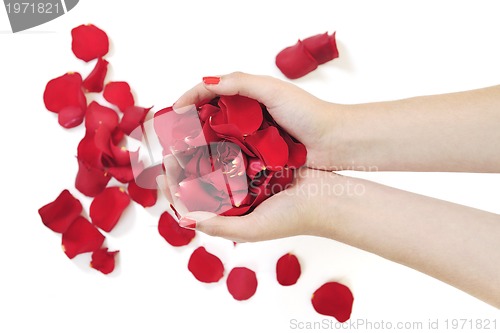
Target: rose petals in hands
{"points": [[305, 56], [144, 196], [59, 214], [81, 237], [333, 299], [241, 111], [108, 206], [89, 42], [205, 266], [174, 234], [288, 270], [103, 260], [119, 94], [270, 147], [241, 283], [94, 82]]}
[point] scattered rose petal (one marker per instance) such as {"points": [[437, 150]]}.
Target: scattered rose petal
{"points": [[205, 266], [241, 283], [144, 196], [63, 92], [119, 94], [295, 61], [103, 260], [108, 206], [133, 117], [94, 82], [71, 116], [305, 56], [174, 234], [81, 237], [89, 42], [98, 115], [333, 299], [60, 213], [123, 174], [288, 270], [90, 180], [322, 47]]}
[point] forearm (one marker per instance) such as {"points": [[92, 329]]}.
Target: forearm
{"points": [[456, 244], [450, 132]]}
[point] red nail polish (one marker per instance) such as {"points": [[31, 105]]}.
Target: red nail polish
{"points": [[187, 223], [211, 80]]}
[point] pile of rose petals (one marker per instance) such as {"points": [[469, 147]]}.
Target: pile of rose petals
{"points": [[102, 156], [233, 153], [305, 56]]}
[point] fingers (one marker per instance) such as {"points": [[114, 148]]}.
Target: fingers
{"points": [[196, 95], [276, 217], [265, 89]]}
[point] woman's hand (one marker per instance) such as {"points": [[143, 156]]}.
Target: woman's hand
{"points": [[308, 207], [310, 120]]}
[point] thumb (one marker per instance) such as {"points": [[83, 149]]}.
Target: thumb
{"points": [[265, 89]]}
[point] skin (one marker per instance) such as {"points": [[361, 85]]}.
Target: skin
{"points": [[452, 132]]}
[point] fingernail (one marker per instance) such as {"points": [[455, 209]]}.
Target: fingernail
{"points": [[211, 80], [187, 223]]}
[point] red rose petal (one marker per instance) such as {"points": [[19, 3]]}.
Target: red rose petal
{"points": [[174, 234], [146, 178], [123, 174], [80, 237], [89, 42], [103, 260], [98, 115], [296, 61], [270, 147], [94, 82], [297, 152], [288, 270], [207, 110], [119, 94], [64, 91], [71, 116], [108, 206], [241, 283], [144, 196], [133, 116], [198, 195], [333, 299], [90, 180], [60, 213], [241, 111], [205, 266], [322, 47]]}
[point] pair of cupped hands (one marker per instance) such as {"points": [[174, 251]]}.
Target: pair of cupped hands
{"points": [[294, 211]]}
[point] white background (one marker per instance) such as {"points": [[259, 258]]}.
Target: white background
{"points": [[388, 50]]}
